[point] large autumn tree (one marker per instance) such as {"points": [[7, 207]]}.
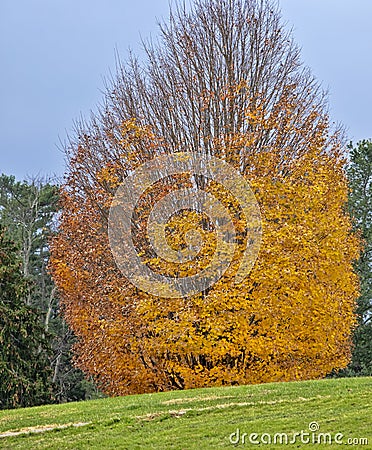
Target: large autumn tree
{"points": [[224, 81]]}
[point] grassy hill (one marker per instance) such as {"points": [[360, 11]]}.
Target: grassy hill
{"points": [[203, 419]]}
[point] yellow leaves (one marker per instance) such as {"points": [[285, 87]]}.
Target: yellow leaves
{"points": [[108, 174], [132, 134], [290, 319]]}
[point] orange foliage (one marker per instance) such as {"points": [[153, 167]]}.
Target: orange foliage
{"points": [[290, 319], [227, 82]]}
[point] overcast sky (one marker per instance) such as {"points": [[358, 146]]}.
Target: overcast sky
{"points": [[54, 55]]}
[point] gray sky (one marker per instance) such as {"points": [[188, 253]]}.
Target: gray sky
{"points": [[54, 55]]}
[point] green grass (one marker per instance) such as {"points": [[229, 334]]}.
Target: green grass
{"points": [[200, 418]]}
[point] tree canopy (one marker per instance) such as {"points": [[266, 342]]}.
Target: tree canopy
{"points": [[224, 81]]}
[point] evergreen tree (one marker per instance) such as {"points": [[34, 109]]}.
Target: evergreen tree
{"points": [[360, 206], [24, 370], [29, 212]]}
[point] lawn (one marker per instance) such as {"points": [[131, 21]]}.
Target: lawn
{"points": [[203, 419]]}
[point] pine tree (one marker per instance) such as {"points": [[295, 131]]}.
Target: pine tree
{"points": [[24, 368], [29, 213], [360, 206]]}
